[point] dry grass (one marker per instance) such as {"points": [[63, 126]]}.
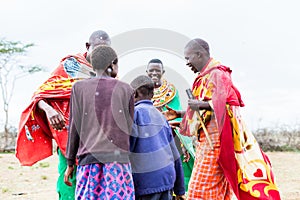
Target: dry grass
{"points": [[283, 138]]}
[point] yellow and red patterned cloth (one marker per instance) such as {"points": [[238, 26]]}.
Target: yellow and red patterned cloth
{"points": [[246, 167], [34, 141]]}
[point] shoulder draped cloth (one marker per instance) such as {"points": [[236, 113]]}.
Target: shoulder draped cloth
{"points": [[34, 141], [246, 167]]}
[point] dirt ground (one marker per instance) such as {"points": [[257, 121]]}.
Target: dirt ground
{"points": [[39, 181]]}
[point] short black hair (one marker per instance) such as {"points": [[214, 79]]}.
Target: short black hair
{"points": [[143, 84], [102, 57], [155, 60], [146, 90]]}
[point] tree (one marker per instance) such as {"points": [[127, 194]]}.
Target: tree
{"points": [[11, 69]]}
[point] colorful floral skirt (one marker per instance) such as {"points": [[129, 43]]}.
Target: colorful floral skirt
{"points": [[104, 182]]}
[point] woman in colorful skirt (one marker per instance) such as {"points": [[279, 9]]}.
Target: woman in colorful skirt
{"points": [[101, 112]]}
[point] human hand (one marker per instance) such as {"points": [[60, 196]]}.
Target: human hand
{"points": [[170, 114], [68, 174], [55, 118], [174, 125], [186, 155]]}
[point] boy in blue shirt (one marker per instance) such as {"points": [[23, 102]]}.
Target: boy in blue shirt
{"points": [[156, 165]]}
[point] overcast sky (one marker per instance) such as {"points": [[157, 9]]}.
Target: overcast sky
{"points": [[258, 40]]}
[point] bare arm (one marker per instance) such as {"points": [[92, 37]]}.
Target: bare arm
{"points": [[198, 105], [55, 118], [68, 174], [171, 114]]}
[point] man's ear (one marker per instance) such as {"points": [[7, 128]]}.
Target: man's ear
{"points": [[163, 71], [199, 55], [136, 95], [92, 74], [87, 45]]}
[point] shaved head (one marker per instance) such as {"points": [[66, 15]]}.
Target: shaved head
{"points": [[99, 37], [198, 45], [196, 53]]}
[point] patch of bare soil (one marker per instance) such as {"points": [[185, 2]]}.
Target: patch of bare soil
{"points": [[286, 166], [39, 181], [28, 183]]}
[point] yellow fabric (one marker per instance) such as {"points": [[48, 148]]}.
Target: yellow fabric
{"points": [[253, 169]]}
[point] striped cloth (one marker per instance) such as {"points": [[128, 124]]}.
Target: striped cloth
{"points": [[104, 182], [208, 181]]}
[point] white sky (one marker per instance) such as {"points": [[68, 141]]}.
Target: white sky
{"points": [[258, 39]]}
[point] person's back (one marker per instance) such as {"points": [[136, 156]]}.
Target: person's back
{"points": [[103, 121], [100, 124], [156, 164]]}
